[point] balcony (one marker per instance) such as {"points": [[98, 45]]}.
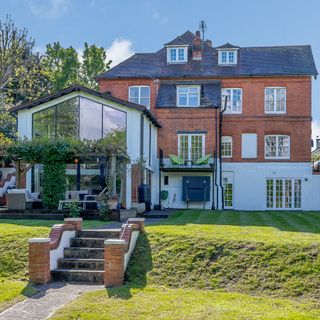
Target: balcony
{"points": [[174, 163]]}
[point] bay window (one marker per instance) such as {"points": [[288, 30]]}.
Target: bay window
{"points": [[277, 147]]}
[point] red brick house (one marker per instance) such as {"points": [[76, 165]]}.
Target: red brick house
{"points": [[255, 154]]}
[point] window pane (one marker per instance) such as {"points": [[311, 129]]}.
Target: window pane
{"points": [[68, 118], [145, 102], [297, 193], [181, 54], [283, 146], [270, 193], [183, 99], [223, 56], [134, 100], [145, 92], [231, 57], [114, 125], [271, 146], [90, 119], [279, 193], [196, 147], [288, 193], [133, 92], [183, 147], [193, 100], [44, 123], [183, 89], [173, 54], [226, 146]]}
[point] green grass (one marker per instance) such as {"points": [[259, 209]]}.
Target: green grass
{"points": [[217, 265], [14, 235], [262, 226], [155, 302]]}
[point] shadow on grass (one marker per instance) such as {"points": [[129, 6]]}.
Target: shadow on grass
{"points": [[294, 221], [136, 275]]}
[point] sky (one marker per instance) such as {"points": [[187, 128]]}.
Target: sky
{"points": [[124, 27]]}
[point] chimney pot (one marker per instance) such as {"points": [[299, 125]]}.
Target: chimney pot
{"points": [[208, 42], [197, 47]]}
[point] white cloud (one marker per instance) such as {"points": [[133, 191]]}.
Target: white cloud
{"points": [[120, 49], [49, 9]]}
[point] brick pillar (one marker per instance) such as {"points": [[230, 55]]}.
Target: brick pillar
{"points": [[39, 260], [139, 222], [77, 222], [114, 250]]}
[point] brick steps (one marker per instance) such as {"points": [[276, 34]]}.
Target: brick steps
{"points": [[78, 264], [92, 276], [83, 261]]}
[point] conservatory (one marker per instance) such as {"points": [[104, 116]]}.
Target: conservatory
{"points": [[81, 113]]}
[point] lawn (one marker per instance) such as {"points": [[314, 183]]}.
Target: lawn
{"points": [[262, 226], [14, 235], [217, 265], [156, 302]]}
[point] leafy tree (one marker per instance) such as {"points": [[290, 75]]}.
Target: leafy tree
{"points": [[93, 63], [28, 82], [61, 66], [15, 51]]}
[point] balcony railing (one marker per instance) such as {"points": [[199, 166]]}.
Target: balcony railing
{"points": [[167, 162]]}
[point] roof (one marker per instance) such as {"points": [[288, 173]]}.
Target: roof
{"points": [[79, 88], [210, 95], [252, 61], [228, 46]]}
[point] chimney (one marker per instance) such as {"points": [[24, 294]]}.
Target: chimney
{"points": [[208, 43], [197, 47]]}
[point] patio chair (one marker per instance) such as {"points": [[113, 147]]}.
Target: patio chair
{"points": [[21, 199], [203, 160], [175, 160]]}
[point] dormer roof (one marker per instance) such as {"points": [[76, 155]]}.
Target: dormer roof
{"points": [[227, 46]]}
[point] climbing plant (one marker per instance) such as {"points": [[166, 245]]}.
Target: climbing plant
{"points": [[54, 154]]}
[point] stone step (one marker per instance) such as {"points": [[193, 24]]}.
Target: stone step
{"points": [[92, 276], [99, 233], [87, 242], [84, 264], [84, 253]]}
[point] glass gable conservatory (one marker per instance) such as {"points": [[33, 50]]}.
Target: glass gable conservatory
{"points": [[79, 118]]}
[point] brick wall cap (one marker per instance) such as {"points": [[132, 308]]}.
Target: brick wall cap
{"points": [[72, 219], [114, 241], [136, 220], [38, 240]]}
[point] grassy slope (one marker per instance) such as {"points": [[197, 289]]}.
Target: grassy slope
{"points": [[14, 235], [168, 304], [233, 256]]}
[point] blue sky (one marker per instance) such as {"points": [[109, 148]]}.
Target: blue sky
{"points": [[127, 26]]}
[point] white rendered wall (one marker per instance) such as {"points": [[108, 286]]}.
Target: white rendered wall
{"points": [[58, 253]]}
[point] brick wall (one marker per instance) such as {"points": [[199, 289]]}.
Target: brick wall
{"points": [[296, 122]]}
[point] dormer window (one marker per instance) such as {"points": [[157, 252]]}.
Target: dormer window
{"points": [[228, 57], [188, 96], [177, 54]]}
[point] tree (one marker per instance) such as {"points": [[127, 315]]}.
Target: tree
{"points": [[94, 62], [15, 51], [61, 66]]}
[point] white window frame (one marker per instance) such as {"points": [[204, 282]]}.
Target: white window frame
{"points": [[187, 105], [139, 97], [277, 146], [275, 99], [224, 142], [176, 48], [223, 94], [287, 201], [189, 144], [227, 52], [227, 178]]}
